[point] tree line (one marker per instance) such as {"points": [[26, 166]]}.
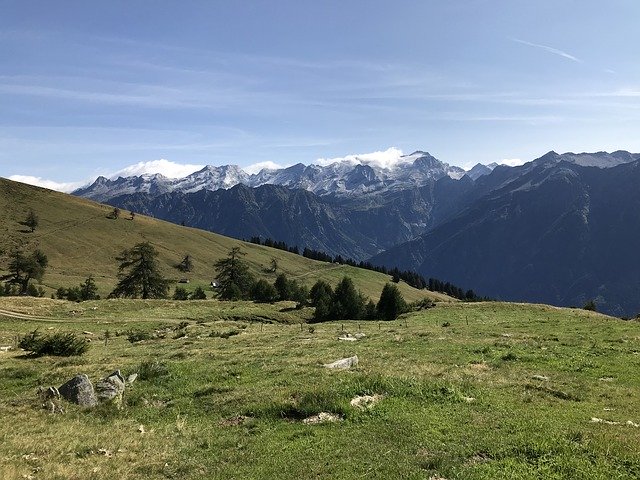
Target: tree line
{"points": [[410, 277]]}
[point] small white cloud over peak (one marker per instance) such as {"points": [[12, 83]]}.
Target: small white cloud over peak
{"points": [[50, 184], [388, 159], [257, 167], [164, 167], [511, 162]]}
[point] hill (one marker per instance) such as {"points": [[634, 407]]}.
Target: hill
{"points": [[80, 240]]}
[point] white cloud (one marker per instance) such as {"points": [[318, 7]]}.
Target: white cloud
{"points": [[50, 184], [256, 167], [511, 162], [555, 51], [389, 158], [165, 167]]}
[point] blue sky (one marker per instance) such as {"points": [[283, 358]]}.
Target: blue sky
{"points": [[89, 88]]}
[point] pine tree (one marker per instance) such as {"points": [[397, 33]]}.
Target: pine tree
{"points": [[88, 290], [186, 265], [391, 303], [234, 276], [143, 278], [263, 292], [32, 220], [347, 302], [23, 268]]}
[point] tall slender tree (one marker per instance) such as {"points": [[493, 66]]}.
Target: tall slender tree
{"points": [[32, 220]]}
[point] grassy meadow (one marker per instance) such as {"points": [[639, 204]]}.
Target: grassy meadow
{"points": [[468, 391]]}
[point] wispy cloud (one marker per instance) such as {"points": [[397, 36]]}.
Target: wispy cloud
{"points": [[257, 167], [549, 49], [50, 184]]}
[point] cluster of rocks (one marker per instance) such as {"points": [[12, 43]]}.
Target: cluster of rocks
{"points": [[80, 390]]}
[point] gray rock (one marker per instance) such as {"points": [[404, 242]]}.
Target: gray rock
{"points": [[48, 393], [131, 378], [110, 389], [343, 363], [79, 390]]}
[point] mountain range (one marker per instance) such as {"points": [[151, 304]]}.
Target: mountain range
{"points": [[559, 229], [344, 178]]}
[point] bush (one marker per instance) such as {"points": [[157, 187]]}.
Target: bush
{"points": [[58, 344], [152, 370], [591, 306], [180, 294], [198, 294], [138, 335], [263, 292]]}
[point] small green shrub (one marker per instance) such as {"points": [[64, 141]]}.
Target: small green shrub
{"points": [[58, 344], [138, 335], [224, 335], [152, 370]]}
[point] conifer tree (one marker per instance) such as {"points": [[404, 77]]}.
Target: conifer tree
{"points": [[139, 274]]}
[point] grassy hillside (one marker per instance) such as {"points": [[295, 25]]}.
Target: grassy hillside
{"points": [[468, 391], [80, 240]]}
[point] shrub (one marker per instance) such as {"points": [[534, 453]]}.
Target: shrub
{"points": [[180, 294], [138, 335], [591, 306], [58, 344], [263, 292], [198, 294], [152, 370]]}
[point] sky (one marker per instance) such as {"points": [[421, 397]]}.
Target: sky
{"points": [[121, 87]]}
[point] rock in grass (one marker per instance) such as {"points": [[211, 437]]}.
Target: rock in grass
{"points": [[110, 389], [79, 390], [542, 378], [131, 378], [364, 402], [322, 417], [343, 363], [348, 338]]}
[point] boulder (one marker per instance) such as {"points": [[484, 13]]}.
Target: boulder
{"points": [[111, 388], [79, 390], [343, 363]]}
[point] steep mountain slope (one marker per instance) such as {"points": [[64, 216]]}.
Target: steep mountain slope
{"points": [[355, 227], [80, 240], [550, 231]]}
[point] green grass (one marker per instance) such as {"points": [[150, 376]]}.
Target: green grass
{"points": [[80, 240], [222, 395]]}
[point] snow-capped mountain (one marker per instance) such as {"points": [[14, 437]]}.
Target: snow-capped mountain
{"points": [[480, 170], [347, 177]]}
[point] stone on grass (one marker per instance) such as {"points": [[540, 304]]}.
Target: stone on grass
{"points": [[110, 389], [131, 378], [322, 417], [348, 338], [364, 402], [343, 363], [542, 378], [79, 390], [5, 349]]}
